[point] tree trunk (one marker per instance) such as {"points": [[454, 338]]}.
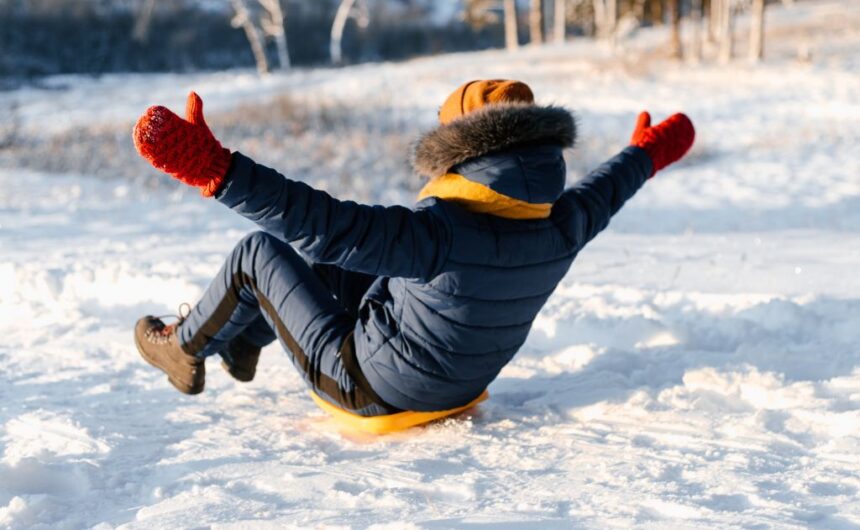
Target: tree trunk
{"points": [[536, 22], [612, 14], [559, 20], [675, 48], [696, 17], [637, 9], [657, 12], [605, 17], [275, 27], [726, 32], [243, 20], [143, 21], [283, 52], [599, 17], [757, 31], [337, 27], [715, 9], [512, 39]]}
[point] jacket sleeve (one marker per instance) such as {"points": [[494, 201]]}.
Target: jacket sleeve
{"points": [[389, 241], [585, 208]]}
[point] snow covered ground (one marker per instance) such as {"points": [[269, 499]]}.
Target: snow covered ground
{"points": [[698, 367]]}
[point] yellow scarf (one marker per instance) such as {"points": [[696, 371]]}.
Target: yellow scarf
{"points": [[481, 199]]}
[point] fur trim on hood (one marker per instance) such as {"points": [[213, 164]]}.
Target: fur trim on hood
{"points": [[490, 129]]}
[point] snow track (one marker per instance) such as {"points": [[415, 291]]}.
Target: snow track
{"points": [[698, 367]]}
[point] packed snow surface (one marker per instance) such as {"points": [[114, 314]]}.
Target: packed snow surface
{"points": [[698, 367]]}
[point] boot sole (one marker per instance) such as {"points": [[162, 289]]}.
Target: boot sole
{"points": [[182, 387]]}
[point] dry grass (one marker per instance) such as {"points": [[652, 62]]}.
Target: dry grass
{"points": [[326, 144]]}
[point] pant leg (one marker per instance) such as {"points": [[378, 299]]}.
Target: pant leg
{"points": [[265, 277], [259, 333], [347, 287]]}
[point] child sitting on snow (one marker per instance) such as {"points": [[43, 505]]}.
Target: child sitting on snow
{"points": [[388, 309]]}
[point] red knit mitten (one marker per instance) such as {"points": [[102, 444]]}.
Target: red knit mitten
{"points": [[667, 141], [185, 149]]}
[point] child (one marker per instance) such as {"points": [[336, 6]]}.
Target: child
{"points": [[388, 309]]}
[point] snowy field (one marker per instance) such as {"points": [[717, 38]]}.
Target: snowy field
{"points": [[698, 367]]}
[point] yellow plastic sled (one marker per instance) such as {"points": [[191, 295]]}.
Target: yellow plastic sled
{"points": [[391, 422]]}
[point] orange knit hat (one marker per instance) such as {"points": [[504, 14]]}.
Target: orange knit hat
{"points": [[475, 94]]}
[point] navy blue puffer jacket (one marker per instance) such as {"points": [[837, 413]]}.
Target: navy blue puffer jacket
{"points": [[457, 291]]}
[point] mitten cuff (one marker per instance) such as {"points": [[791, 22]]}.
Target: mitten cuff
{"points": [[216, 172], [651, 152]]}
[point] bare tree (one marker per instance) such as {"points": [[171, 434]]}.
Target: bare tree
{"points": [[265, 19], [512, 39], [273, 26], [559, 20], [242, 19], [655, 11], [675, 48], [726, 31], [757, 31], [346, 9], [637, 9], [335, 48], [696, 7], [143, 21], [481, 13], [714, 11], [536, 22], [605, 17]]}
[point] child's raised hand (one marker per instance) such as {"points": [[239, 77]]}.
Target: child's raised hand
{"points": [[665, 142], [185, 149]]}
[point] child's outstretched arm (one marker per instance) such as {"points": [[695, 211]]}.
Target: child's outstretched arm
{"points": [[588, 205], [383, 241], [378, 240]]}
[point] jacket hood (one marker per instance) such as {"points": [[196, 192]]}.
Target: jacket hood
{"points": [[491, 129], [514, 149]]}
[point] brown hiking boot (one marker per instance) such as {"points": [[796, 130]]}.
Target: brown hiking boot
{"points": [[240, 358], [159, 346]]}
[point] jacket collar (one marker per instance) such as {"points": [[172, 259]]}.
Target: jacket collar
{"points": [[478, 198]]}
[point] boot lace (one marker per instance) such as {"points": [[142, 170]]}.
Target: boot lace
{"points": [[162, 333]]}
